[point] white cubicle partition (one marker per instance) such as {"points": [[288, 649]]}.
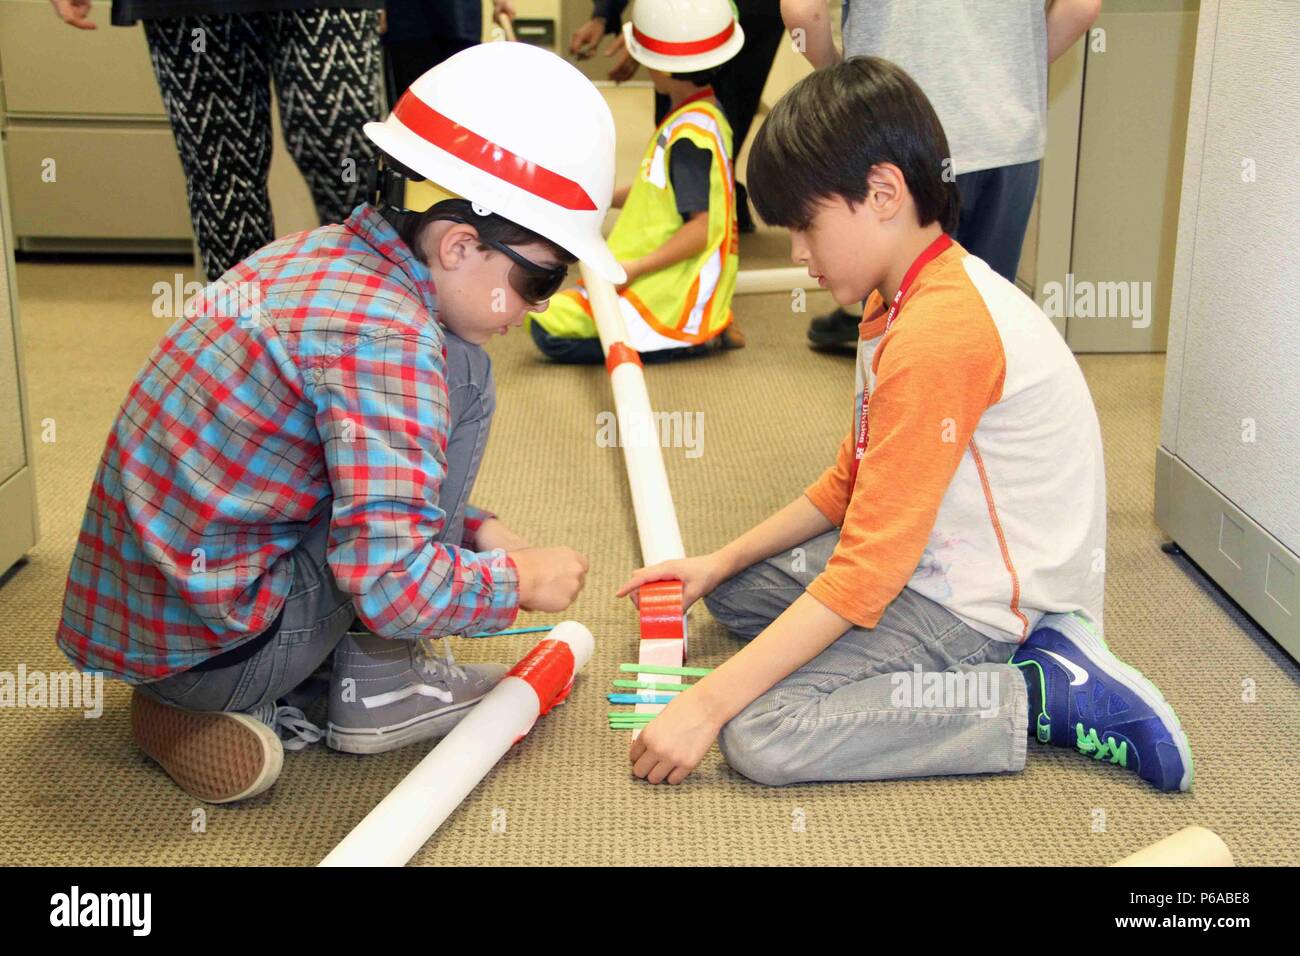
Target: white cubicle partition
{"points": [[18, 528], [1228, 466]]}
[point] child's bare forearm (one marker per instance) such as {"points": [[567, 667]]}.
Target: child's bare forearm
{"points": [[804, 629], [1067, 20], [792, 525], [686, 243], [493, 533], [811, 17]]}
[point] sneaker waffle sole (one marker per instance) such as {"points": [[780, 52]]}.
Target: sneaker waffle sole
{"points": [[216, 757]]}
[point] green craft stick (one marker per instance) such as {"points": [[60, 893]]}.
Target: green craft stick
{"points": [[649, 685], [630, 715], [669, 671]]}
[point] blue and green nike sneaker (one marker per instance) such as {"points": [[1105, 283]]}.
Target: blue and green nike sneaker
{"points": [[1083, 696]]}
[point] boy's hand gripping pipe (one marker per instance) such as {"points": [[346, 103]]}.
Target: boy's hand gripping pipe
{"points": [[662, 617], [404, 820]]}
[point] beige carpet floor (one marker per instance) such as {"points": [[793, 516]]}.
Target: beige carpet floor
{"points": [[75, 791]]}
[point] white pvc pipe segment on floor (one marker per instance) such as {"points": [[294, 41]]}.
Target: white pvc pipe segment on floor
{"points": [[403, 821], [756, 281], [652, 499], [1190, 846]]}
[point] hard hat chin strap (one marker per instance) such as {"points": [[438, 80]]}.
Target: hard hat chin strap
{"points": [[386, 190], [402, 222], [386, 184]]}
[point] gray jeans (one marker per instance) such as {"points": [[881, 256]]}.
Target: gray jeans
{"points": [[919, 694], [316, 613]]}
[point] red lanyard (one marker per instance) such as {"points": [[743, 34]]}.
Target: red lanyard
{"points": [[931, 251]]}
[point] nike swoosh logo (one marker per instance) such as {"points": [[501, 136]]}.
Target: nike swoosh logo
{"points": [[1079, 675]]}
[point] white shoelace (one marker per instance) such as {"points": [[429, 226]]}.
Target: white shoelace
{"points": [[290, 725], [440, 667]]}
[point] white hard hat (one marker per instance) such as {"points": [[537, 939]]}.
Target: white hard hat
{"points": [[682, 36], [518, 131]]}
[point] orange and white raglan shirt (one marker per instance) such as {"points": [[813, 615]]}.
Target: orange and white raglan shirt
{"points": [[982, 486]]}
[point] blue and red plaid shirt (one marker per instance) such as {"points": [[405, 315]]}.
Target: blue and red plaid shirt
{"points": [[307, 385]]}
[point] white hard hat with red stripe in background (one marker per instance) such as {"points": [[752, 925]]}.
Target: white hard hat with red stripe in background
{"points": [[519, 132], [683, 36]]}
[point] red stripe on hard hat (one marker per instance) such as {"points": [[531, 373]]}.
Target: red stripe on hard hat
{"points": [[684, 49], [465, 144]]}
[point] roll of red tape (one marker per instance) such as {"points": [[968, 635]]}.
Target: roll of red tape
{"points": [[661, 612]]}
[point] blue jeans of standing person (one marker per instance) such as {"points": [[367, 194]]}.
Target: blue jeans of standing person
{"points": [[317, 614], [995, 207], [854, 712]]}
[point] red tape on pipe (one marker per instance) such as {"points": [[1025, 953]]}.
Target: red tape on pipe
{"points": [[619, 353], [660, 610], [548, 668]]}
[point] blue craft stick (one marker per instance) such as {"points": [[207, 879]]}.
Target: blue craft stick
{"points": [[640, 699], [517, 630]]}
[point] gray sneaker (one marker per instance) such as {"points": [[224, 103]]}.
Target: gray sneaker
{"points": [[390, 693]]}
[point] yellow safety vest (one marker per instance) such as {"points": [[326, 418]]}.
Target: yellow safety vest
{"points": [[689, 301]]}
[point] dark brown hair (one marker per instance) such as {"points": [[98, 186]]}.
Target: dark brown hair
{"points": [[493, 228], [824, 136]]}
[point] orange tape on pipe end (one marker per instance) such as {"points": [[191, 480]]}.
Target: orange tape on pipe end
{"points": [[661, 612], [548, 669], [619, 353]]}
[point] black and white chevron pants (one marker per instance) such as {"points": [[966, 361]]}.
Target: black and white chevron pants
{"points": [[215, 73]]}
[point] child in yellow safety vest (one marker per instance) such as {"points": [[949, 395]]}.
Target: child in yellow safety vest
{"points": [[676, 236]]}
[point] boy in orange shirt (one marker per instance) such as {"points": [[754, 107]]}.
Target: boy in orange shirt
{"points": [[943, 598]]}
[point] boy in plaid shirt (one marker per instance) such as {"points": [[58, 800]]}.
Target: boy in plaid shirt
{"points": [[297, 455]]}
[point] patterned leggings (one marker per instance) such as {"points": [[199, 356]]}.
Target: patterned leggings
{"points": [[214, 73]]}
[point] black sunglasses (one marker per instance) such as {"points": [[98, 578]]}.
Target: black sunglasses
{"points": [[534, 282]]}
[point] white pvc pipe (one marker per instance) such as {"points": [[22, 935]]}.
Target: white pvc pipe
{"points": [[652, 499], [1191, 846], [755, 281], [404, 820]]}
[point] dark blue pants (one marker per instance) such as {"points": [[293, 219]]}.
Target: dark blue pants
{"points": [[589, 351], [995, 205]]}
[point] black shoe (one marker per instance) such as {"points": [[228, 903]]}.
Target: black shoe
{"points": [[837, 328], [744, 221]]}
